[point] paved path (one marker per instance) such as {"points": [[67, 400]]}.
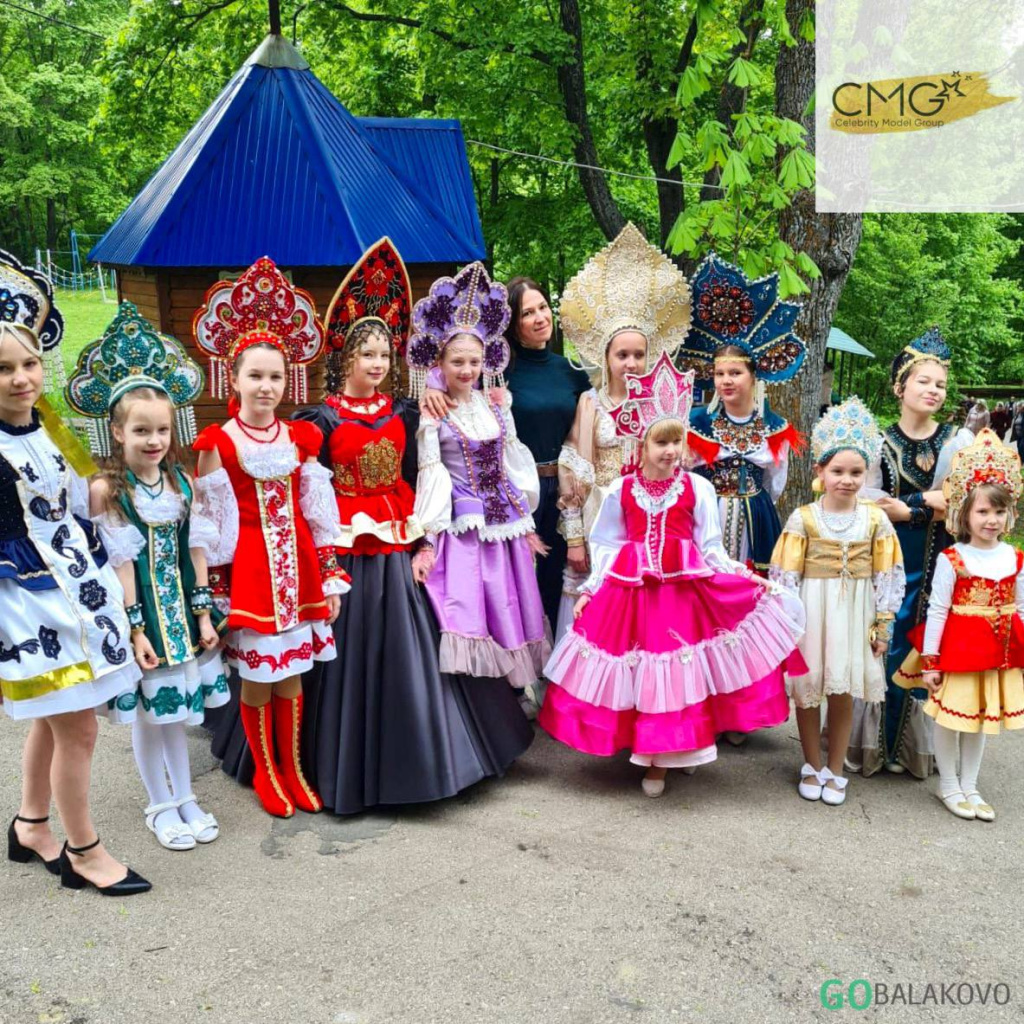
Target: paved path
{"points": [[559, 894]]}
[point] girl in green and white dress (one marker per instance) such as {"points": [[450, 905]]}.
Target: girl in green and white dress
{"points": [[142, 505]]}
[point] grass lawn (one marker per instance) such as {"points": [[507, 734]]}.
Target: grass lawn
{"points": [[85, 317]]}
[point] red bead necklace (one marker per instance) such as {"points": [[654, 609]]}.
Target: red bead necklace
{"points": [[246, 427]]}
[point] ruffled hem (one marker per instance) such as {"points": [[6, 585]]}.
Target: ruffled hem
{"points": [[502, 531], [269, 658], [483, 657], [660, 683], [811, 691]]}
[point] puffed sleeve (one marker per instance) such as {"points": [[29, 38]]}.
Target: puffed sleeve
{"points": [[320, 510], [960, 440], [216, 503], [575, 480], [888, 575], [707, 529], [790, 551], [606, 538], [122, 540], [938, 604], [433, 506], [776, 474], [326, 420], [519, 462], [308, 438], [207, 439]]}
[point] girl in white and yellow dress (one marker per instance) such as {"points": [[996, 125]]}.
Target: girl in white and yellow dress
{"points": [[843, 556]]}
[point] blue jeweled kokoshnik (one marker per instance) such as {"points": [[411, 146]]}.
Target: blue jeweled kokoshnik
{"points": [[132, 355], [730, 309]]}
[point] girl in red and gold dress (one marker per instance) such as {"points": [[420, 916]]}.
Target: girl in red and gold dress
{"points": [[972, 643], [389, 727], [259, 482]]}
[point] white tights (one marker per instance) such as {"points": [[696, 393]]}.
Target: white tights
{"points": [[161, 752], [968, 747]]}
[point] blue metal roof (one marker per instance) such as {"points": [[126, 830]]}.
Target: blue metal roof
{"points": [[840, 341], [278, 167]]}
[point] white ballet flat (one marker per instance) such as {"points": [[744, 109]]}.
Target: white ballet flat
{"points": [[690, 769], [737, 739], [177, 835], [852, 766], [810, 783], [834, 797], [895, 768], [652, 787], [982, 810], [205, 828], [956, 804]]}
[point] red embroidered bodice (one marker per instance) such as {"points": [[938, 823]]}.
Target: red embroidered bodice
{"points": [[660, 539], [275, 581], [364, 451]]}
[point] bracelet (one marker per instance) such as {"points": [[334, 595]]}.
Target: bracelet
{"points": [[329, 568], [883, 629], [202, 599], [135, 618]]}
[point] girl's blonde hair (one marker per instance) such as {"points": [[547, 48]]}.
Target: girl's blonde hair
{"points": [[999, 496], [665, 430], [115, 470]]}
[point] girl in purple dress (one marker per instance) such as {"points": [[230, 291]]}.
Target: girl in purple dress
{"points": [[476, 490]]}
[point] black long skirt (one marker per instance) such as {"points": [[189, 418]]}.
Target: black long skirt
{"points": [[382, 724]]}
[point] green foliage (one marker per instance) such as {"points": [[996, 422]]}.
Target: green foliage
{"points": [[916, 270]]}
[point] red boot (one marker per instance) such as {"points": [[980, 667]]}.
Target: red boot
{"points": [[258, 725], [288, 729]]}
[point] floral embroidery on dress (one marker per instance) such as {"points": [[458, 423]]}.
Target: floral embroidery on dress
{"points": [[166, 701], [276, 662], [93, 595], [379, 464], [111, 646], [170, 599], [740, 437], [61, 544], [279, 536]]}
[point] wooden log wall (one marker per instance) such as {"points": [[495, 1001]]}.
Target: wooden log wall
{"points": [[168, 298]]}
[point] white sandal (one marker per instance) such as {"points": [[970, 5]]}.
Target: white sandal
{"points": [[982, 810], [809, 786], [176, 836], [652, 787], [957, 804], [205, 828]]}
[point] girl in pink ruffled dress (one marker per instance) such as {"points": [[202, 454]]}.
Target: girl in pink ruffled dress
{"points": [[674, 642]]}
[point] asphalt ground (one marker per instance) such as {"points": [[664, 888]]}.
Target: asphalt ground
{"points": [[557, 894]]}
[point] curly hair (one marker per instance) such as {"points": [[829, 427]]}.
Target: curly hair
{"points": [[339, 361]]}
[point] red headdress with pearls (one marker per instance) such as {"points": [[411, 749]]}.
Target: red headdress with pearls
{"points": [[260, 307]]}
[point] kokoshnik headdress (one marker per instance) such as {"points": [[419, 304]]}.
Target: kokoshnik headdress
{"points": [[26, 300], [261, 307], [131, 354], [931, 347], [986, 461], [469, 303], [375, 291], [630, 285], [849, 425], [730, 309], [663, 393]]}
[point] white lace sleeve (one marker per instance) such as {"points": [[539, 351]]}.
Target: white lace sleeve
{"points": [[318, 504], [891, 585], [433, 506], [216, 503], [776, 474], [519, 461], [938, 604], [707, 528], [122, 541], [606, 538]]}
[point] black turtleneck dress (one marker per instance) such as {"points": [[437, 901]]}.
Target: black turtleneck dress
{"points": [[545, 388]]}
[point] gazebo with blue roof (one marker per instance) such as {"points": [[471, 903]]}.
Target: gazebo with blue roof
{"points": [[278, 167]]}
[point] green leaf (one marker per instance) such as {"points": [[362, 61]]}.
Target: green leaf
{"points": [[797, 170], [680, 147], [744, 73], [790, 282], [692, 84], [737, 172]]}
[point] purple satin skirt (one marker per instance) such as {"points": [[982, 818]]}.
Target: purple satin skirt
{"points": [[488, 606]]}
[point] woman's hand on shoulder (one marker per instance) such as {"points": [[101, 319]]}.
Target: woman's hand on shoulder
{"points": [[435, 404], [897, 511]]}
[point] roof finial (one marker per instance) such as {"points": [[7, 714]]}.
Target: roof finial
{"points": [[274, 9]]}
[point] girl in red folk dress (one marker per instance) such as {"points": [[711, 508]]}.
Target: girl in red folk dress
{"points": [[969, 651], [260, 483]]}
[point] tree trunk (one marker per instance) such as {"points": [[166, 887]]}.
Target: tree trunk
{"points": [[51, 223], [572, 85], [831, 240], [659, 136]]}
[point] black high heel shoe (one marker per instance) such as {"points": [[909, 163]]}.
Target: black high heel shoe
{"points": [[130, 885], [20, 853]]}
